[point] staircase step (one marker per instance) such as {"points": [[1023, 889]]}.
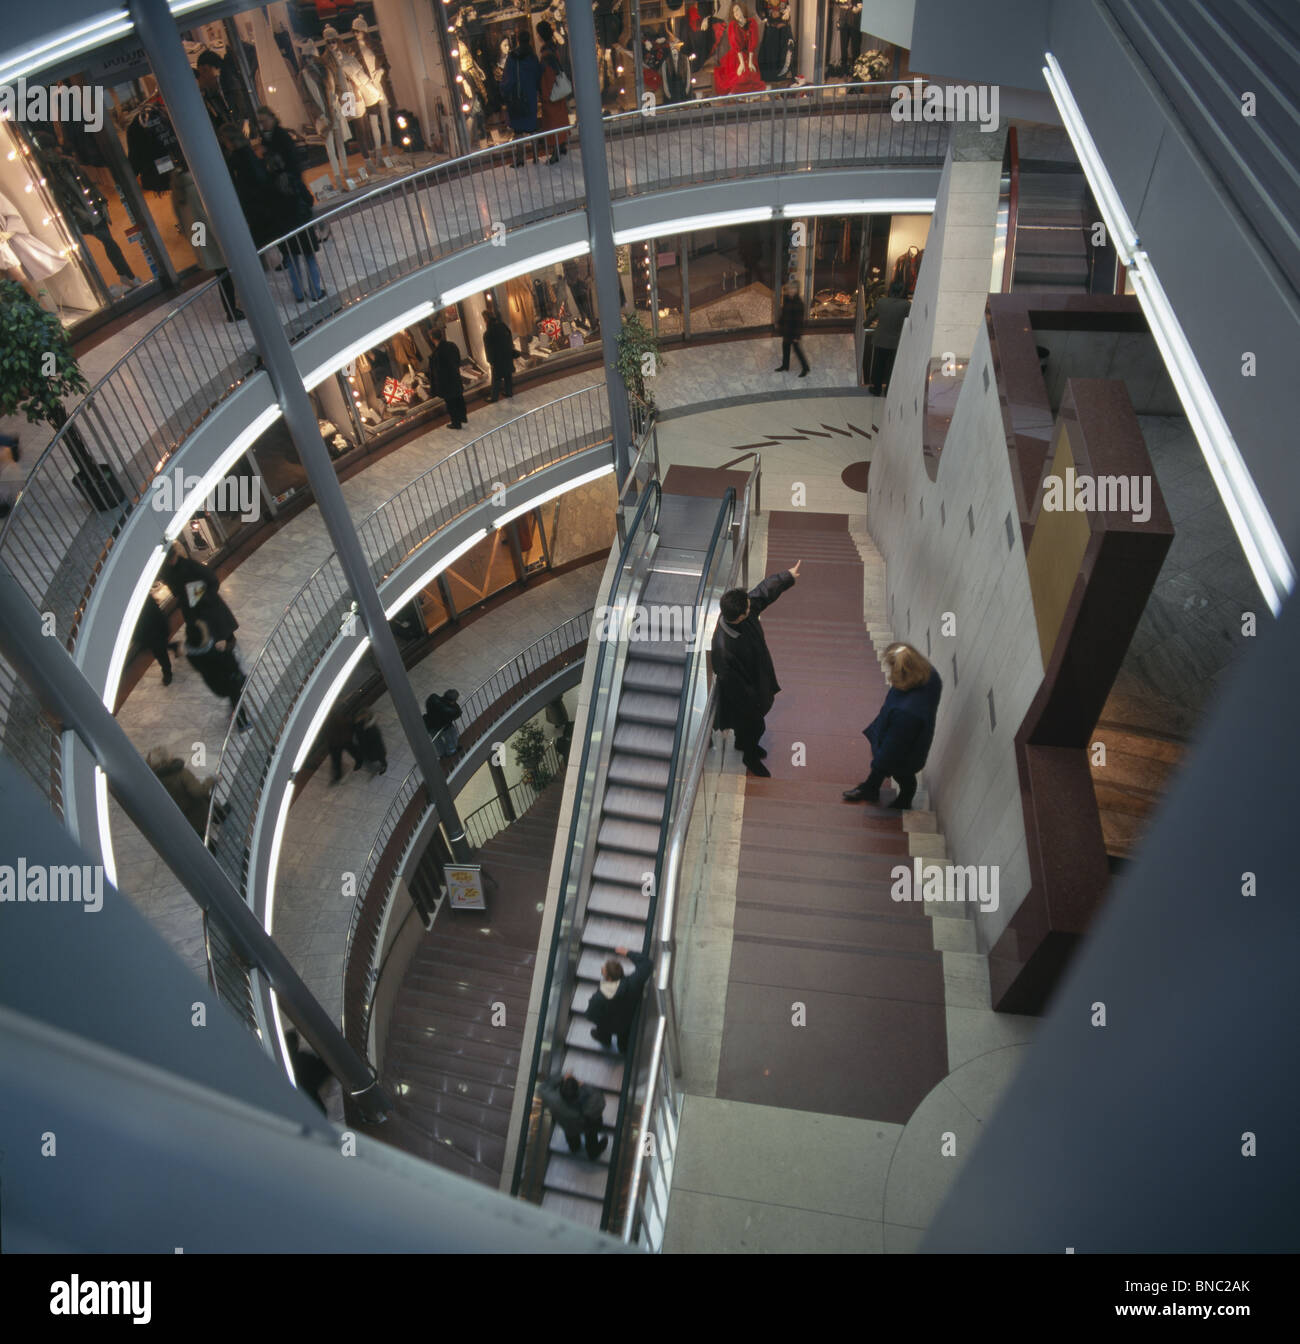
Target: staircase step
{"points": [[471, 1002], [447, 957], [643, 772], [635, 837], [431, 1104], [644, 707], [591, 1064], [468, 1068], [838, 840], [801, 865], [400, 1068], [479, 1037], [432, 1039]]}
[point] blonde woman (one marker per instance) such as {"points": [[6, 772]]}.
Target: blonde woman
{"points": [[900, 735]]}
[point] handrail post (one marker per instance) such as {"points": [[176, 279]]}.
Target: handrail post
{"points": [[600, 224], [161, 40]]}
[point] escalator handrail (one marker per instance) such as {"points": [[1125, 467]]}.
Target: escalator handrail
{"points": [[652, 490]]}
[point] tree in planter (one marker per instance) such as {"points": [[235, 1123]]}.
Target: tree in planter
{"points": [[635, 342], [37, 370], [530, 749]]}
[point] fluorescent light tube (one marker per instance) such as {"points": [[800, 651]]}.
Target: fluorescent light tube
{"points": [[537, 501], [864, 206], [359, 347], [393, 608], [688, 223]]}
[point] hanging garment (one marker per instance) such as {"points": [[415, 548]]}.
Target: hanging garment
{"points": [[707, 31], [35, 257], [737, 71], [152, 147], [776, 51]]}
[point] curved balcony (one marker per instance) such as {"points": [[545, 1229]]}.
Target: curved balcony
{"points": [[397, 251]]}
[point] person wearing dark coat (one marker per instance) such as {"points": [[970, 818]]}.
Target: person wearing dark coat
{"points": [[440, 715], [340, 736], [196, 589], [499, 346], [888, 315], [444, 374], [370, 743], [900, 735], [792, 313], [520, 87], [268, 218], [216, 663], [310, 1072], [577, 1108], [152, 635], [747, 684], [613, 1006], [192, 795], [294, 202]]}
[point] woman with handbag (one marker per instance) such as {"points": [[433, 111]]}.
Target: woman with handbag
{"points": [[556, 89], [519, 87]]}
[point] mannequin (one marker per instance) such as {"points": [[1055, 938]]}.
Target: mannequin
{"points": [[844, 40], [707, 32], [351, 77], [776, 51], [737, 71], [320, 92], [370, 54], [23, 257], [276, 75]]}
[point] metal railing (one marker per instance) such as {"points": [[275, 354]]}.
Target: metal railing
{"points": [[29, 739], [322, 612], [481, 713], [493, 818], [230, 976]]}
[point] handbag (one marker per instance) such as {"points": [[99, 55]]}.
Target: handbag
{"points": [[561, 89]]}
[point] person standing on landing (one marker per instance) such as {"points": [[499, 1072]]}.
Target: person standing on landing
{"points": [[747, 685], [888, 315], [900, 735], [792, 312]]}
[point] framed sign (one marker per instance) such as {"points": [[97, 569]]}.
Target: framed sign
{"points": [[465, 886]]}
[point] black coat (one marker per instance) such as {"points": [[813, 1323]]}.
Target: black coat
{"points": [[613, 1016], [499, 344], [210, 608], [792, 311], [219, 669], [440, 713], [292, 201], [900, 735], [890, 315], [586, 1111], [747, 683], [269, 215], [444, 370]]}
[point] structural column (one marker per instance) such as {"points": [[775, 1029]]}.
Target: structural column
{"points": [[189, 116], [53, 677], [600, 222]]}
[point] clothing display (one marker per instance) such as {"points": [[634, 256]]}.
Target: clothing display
{"points": [[776, 51], [707, 31], [81, 202], [907, 267], [737, 69], [844, 36]]}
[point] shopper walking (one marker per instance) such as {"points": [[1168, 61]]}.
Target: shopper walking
{"points": [[153, 636], [214, 660], [520, 84], [554, 102], [577, 1108], [293, 205], [340, 736], [444, 374], [369, 743], [900, 735], [747, 685], [888, 314], [499, 346], [440, 715], [792, 315], [613, 1006], [196, 589]]}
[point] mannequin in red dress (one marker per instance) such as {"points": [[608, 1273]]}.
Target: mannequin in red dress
{"points": [[737, 71]]}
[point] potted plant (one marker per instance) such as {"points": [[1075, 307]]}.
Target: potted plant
{"points": [[871, 65], [530, 747], [37, 370], [635, 341]]}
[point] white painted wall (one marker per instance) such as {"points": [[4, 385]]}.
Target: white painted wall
{"points": [[937, 565]]}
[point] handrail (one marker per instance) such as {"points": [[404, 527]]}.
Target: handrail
{"points": [[653, 491], [1013, 210], [696, 665]]}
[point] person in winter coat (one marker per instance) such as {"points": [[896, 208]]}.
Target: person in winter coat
{"points": [[444, 374], [192, 795], [216, 663], [520, 85], [340, 736], [268, 218], [900, 735], [792, 313], [152, 635], [747, 684], [196, 589], [440, 715], [613, 1006], [370, 743], [888, 315], [555, 111], [499, 345], [294, 202], [577, 1108]]}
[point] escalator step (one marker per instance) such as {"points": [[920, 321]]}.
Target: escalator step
{"points": [[643, 739], [621, 902], [609, 932], [638, 771], [630, 870], [645, 674], [635, 804], [636, 837], [573, 1207], [644, 707]]}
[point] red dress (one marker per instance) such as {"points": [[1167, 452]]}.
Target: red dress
{"points": [[737, 71]]}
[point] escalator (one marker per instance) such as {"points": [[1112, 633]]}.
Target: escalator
{"points": [[646, 715]]}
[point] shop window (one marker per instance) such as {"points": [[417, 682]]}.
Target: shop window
{"points": [[668, 286], [837, 249], [482, 571], [730, 277]]}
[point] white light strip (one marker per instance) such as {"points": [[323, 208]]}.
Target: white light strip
{"points": [[105, 837], [515, 268], [64, 45], [687, 224], [1118, 224], [921, 205], [393, 608], [190, 506], [539, 500], [372, 338], [126, 631], [1255, 529]]}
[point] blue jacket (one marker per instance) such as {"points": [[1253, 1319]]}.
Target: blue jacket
{"points": [[900, 735], [519, 87]]}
